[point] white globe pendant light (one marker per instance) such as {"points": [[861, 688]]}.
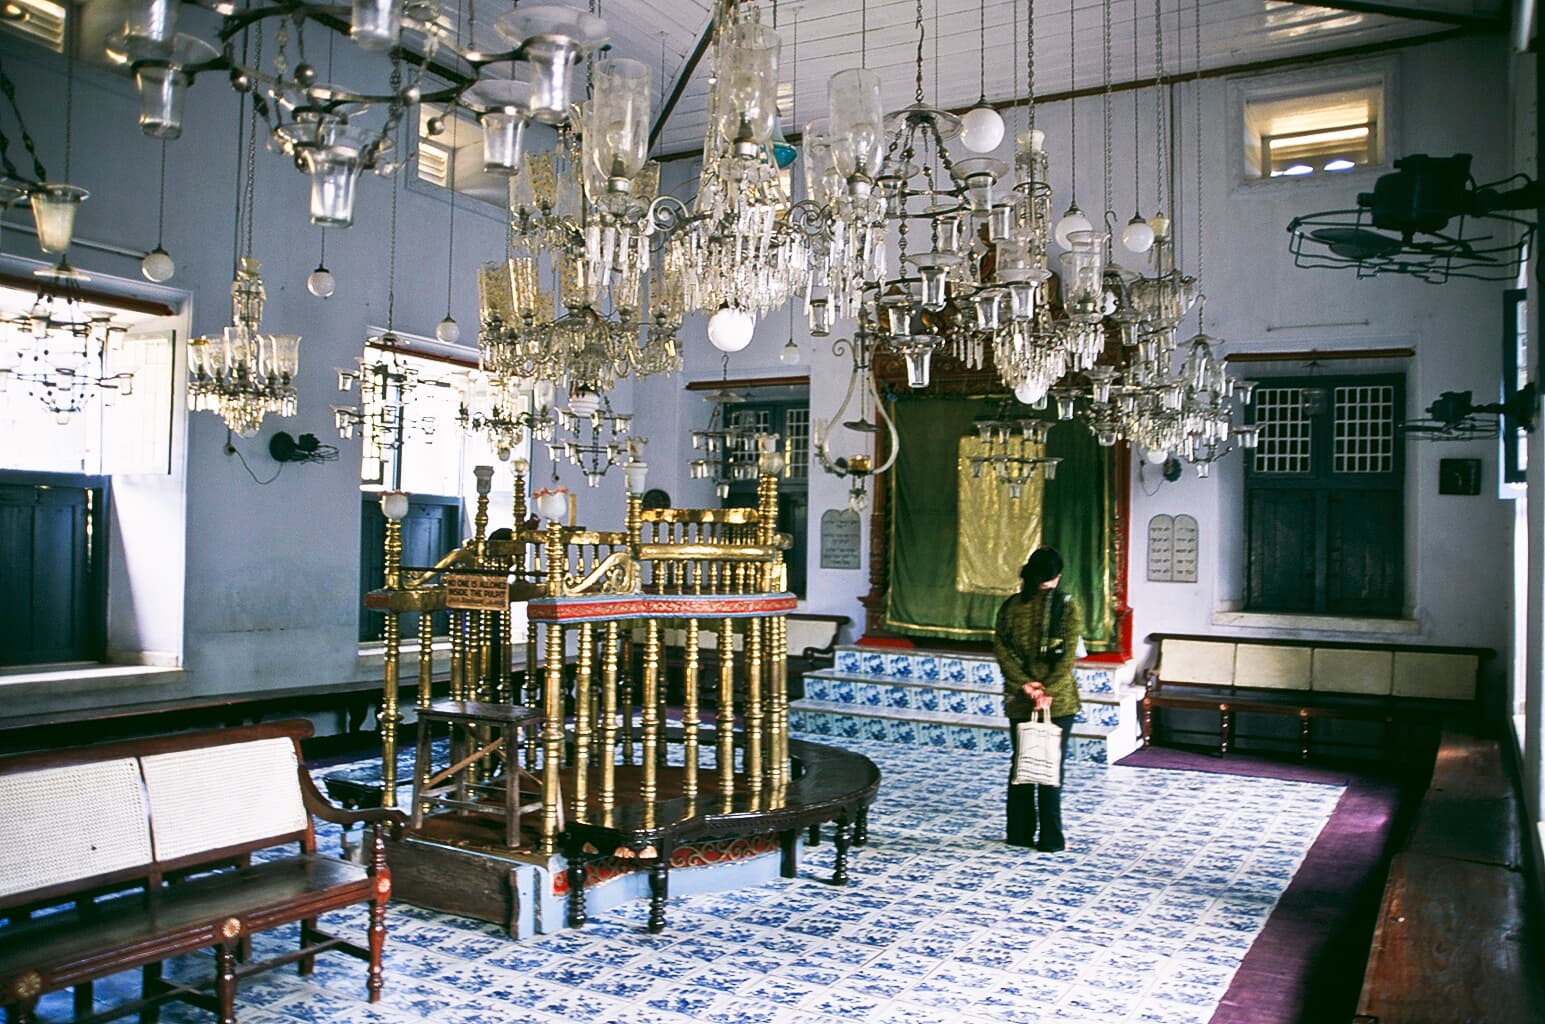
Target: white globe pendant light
{"points": [[730, 329]]}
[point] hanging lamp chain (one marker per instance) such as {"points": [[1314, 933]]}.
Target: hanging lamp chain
{"points": [[1201, 311], [1137, 129], [161, 211], [251, 168], [1105, 70], [391, 255], [450, 242], [1073, 102], [921, 32], [1160, 120], [981, 49], [1030, 67]]}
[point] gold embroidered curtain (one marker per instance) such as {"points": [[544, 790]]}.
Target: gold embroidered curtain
{"points": [[996, 531], [929, 532]]}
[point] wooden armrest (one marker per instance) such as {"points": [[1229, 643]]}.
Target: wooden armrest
{"points": [[318, 804]]}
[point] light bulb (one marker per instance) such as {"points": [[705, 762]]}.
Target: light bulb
{"points": [[157, 265], [790, 353], [1137, 236], [729, 329], [981, 129], [320, 282], [448, 330], [1030, 391], [1071, 222]]}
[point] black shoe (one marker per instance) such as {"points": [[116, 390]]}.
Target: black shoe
{"points": [[1051, 847]]}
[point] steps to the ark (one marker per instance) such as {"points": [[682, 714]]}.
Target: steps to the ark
{"points": [[950, 700]]}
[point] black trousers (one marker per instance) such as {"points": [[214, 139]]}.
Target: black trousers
{"points": [[1035, 812]]}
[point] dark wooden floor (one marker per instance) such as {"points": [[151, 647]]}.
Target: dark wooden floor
{"points": [[1457, 940]]}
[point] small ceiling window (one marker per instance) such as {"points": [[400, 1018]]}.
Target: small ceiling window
{"points": [[1316, 134]]}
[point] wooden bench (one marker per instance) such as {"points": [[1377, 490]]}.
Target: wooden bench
{"points": [[122, 855], [1307, 680]]}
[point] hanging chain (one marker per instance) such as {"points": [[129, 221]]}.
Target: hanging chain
{"points": [[252, 119], [981, 47], [391, 254], [8, 90], [794, 78], [1137, 128], [1073, 101], [863, 33], [1159, 120], [1197, 142], [450, 243], [921, 30], [161, 214], [1030, 67], [1105, 45], [69, 91]]}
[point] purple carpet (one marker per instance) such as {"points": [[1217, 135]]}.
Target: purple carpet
{"points": [[1307, 964]]}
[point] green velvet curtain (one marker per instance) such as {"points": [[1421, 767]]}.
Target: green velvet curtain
{"points": [[921, 599]]}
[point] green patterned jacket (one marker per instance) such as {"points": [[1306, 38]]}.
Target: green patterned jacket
{"points": [[1026, 651]]}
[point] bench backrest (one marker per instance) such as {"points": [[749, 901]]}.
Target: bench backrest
{"points": [[1443, 674], [93, 817]]}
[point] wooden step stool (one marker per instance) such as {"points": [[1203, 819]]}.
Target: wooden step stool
{"points": [[455, 787]]}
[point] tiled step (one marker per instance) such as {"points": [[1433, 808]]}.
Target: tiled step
{"points": [[954, 701]]}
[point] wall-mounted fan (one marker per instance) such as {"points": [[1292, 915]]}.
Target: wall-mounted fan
{"points": [[1455, 417], [1428, 219]]}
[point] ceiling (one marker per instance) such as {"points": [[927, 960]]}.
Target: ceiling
{"points": [[821, 37]]}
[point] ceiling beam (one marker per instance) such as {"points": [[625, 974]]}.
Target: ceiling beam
{"points": [[1225, 71], [1460, 19], [682, 78]]}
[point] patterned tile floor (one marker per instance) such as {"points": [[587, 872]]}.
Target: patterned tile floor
{"points": [[1167, 879]]}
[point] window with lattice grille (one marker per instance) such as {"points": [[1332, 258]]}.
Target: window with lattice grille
{"points": [[1324, 508], [790, 420]]}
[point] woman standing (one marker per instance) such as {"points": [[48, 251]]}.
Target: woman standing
{"points": [[1036, 642]]}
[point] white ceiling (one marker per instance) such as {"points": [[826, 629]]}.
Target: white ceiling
{"points": [[821, 37]]}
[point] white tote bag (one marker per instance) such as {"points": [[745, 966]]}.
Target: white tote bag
{"points": [[1039, 760]]}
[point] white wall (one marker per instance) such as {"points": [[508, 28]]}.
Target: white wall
{"points": [[271, 577]]}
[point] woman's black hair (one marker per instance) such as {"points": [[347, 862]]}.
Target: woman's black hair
{"points": [[1042, 565]]}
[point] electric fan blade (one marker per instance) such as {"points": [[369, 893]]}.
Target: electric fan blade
{"points": [[1356, 243]]}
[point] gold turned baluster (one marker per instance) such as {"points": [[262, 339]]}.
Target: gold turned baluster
{"points": [[650, 701], [625, 698], [533, 696], [390, 716], [582, 683], [778, 744], [426, 658], [458, 654], [481, 649], [726, 719], [753, 705], [607, 754], [552, 738], [689, 713]]}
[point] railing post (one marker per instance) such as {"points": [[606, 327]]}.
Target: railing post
{"points": [[690, 720], [394, 505]]}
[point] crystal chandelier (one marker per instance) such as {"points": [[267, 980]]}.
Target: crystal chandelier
{"points": [[506, 410], [244, 374], [585, 203], [58, 350], [599, 437], [319, 124], [1013, 450], [729, 445], [736, 251]]}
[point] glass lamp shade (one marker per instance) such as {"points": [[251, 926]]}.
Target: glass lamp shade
{"points": [[821, 317], [947, 233], [919, 362], [616, 139], [1022, 300], [979, 175], [635, 475], [1137, 236], [504, 140], [822, 182], [553, 505], [981, 129], [1072, 221], [551, 39], [857, 122], [53, 211], [448, 330], [394, 505], [934, 268], [281, 356], [157, 265], [151, 21], [321, 283], [748, 85], [485, 478], [583, 402], [162, 90], [236, 357], [1084, 284], [375, 24], [987, 305], [334, 172], [730, 329], [1030, 392], [789, 355]]}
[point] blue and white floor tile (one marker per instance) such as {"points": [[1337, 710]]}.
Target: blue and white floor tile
{"points": [[1167, 880]]}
